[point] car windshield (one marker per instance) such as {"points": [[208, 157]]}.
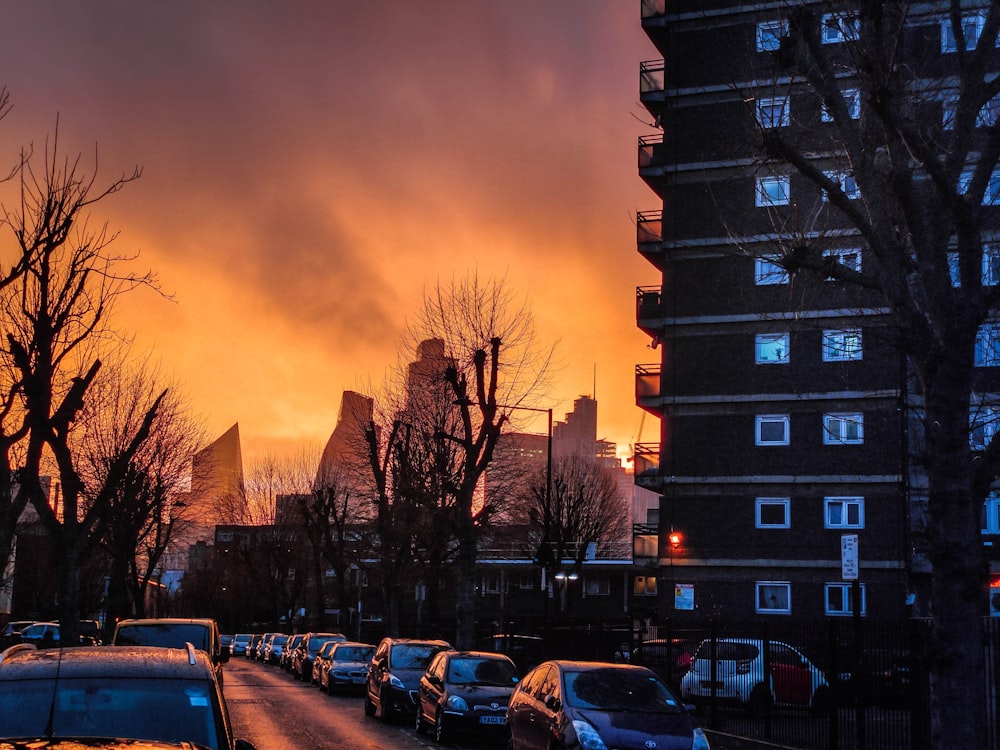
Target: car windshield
{"points": [[410, 656], [619, 690], [480, 671], [278, 640], [166, 710], [163, 635], [353, 653]]}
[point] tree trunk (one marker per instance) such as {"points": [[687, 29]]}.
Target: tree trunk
{"points": [[959, 572]]}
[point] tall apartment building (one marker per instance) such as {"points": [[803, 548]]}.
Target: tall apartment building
{"points": [[785, 407]]}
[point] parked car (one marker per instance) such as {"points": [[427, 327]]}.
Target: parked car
{"points": [[270, 650], [669, 658], [239, 645], [174, 632], [306, 650], [346, 666], [11, 632], [394, 674], [465, 692], [741, 677], [254, 644], [131, 692], [598, 705], [226, 639], [288, 650], [46, 635], [320, 659]]}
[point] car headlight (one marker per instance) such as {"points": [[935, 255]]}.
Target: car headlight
{"points": [[700, 740], [396, 682], [587, 736], [457, 703]]}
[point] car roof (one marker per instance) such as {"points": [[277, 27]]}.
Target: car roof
{"points": [[569, 664], [168, 621], [105, 661]]}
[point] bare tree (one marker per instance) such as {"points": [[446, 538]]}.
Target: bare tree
{"points": [[144, 511], [922, 156], [492, 362], [54, 315]]}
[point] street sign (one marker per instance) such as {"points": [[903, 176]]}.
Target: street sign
{"points": [[849, 557]]}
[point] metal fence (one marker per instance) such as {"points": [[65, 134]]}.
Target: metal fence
{"points": [[874, 679]]}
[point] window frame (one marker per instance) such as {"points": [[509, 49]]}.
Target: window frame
{"points": [[769, 35], [782, 502], [764, 342], [761, 419], [763, 198], [845, 180], [765, 111], [949, 44], [759, 587], [987, 346], [846, 608], [991, 515], [845, 27], [844, 502], [853, 98], [842, 421], [767, 273], [842, 345], [984, 424]]}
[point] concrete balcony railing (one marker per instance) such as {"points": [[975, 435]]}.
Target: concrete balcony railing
{"points": [[646, 463], [649, 309], [653, 9], [648, 387]]}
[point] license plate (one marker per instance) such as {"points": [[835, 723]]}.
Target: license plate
{"points": [[492, 719]]}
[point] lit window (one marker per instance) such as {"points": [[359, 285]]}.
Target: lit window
{"points": [[773, 112], [842, 345], [988, 345], [983, 424], [844, 512], [989, 114], [840, 599], [991, 514], [773, 513], [848, 257], [774, 598], [847, 184], [644, 586], [772, 429], [770, 34], [972, 27], [771, 349], [767, 271], [991, 195], [991, 263], [843, 429], [773, 190], [839, 27], [954, 270], [852, 98]]}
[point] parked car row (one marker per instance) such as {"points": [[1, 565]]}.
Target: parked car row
{"points": [[481, 694]]}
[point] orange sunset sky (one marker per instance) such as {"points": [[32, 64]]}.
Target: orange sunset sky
{"points": [[310, 168]]}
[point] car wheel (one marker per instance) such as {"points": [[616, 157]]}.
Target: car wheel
{"points": [[369, 706], [384, 711], [440, 735], [760, 700], [419, 724]]}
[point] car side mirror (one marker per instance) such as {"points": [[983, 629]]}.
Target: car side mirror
{"points": [[434, 680], [244, 745], [223, 656], [552, 703]]}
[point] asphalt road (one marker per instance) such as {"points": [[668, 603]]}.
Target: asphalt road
{"points": [[276, 712]]}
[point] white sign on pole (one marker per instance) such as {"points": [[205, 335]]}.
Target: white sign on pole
{"points": [[849, 557]]}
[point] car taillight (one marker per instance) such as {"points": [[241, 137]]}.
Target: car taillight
{"points": [[743, 666]]}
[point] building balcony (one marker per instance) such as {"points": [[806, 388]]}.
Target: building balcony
{"points": [[649, 233], [652, 158], [646, 463], [649, 309], [652, 85], [648, 389], [645, 544]]}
